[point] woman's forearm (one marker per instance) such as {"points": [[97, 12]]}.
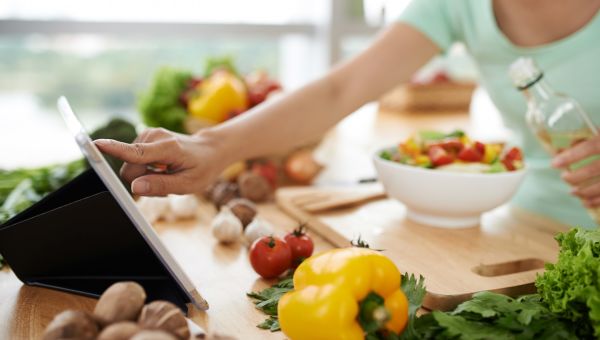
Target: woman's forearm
{"points": [[284, 122], [308, 112]]}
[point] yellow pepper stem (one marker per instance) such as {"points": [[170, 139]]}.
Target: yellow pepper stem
{"points": [[373, 315]]}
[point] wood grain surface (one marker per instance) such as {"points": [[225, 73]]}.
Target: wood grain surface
{"points": [[504, 254], [222, 273]]}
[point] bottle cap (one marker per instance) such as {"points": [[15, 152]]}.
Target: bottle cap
{"points": [[524, 72]]}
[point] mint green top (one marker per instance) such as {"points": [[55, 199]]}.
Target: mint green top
{"points": [[571, 65]]}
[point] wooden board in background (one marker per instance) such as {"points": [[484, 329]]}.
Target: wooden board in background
{"points": [[503, 255]]}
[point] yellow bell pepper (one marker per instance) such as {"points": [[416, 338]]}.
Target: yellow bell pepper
{"points": [[410, 147], [332, 290], [492, 151], [219, 96]]}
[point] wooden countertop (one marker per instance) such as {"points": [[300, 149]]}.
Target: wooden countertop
{"points": [[223, 274]]}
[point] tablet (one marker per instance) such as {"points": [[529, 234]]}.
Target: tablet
{"points": [[126, 203]]}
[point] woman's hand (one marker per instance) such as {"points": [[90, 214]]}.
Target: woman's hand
{"points": [[585, 180], [192, 161]]}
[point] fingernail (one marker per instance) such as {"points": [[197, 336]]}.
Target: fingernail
{"points": [[140, 187], [101, 142]]}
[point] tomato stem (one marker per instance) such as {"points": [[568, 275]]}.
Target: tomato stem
{"points": [[301, 230]]}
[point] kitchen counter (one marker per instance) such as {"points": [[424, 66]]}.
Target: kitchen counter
{"points": [[223, 274]]}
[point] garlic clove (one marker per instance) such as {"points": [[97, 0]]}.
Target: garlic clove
{"points": [[226, 227], [183, 206], [153, 208], [257, 229]]}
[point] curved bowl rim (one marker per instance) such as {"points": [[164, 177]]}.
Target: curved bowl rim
{"points": [[377, 158]]}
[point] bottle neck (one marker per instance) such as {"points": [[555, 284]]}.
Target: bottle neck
{"points": [[539, 91]]}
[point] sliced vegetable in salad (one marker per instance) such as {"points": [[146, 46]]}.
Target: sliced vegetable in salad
{"points": [[455, 151]]}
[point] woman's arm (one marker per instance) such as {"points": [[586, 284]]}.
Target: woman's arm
{"points": [[307, 113], [275, 126]]}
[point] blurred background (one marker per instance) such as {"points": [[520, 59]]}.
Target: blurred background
{"points": [[102, 54]]}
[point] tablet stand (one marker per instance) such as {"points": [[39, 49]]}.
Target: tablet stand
{"points": [[78, 239]]}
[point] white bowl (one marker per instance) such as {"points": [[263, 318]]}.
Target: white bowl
{"points": [[446, 199]]}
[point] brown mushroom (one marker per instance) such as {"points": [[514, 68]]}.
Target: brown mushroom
{"points": [[119, 331], [165, 316], [71, 324], [243, 209], [122, 301], [223, 192], [254, 187], [153, 335]]}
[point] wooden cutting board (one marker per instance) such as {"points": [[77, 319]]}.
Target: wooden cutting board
{"points": [[504, 254]]}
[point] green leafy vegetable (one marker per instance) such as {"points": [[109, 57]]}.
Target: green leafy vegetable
{"points": [[21, 188], [494, 316], [213, 64], [272, 324], [571, 287], [387, 155], [426, 135], [1, 262], [160, 105], [267, 299], [415, 293]]}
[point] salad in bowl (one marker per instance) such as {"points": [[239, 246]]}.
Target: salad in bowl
{"points": [[455, 151], [447, 179]]}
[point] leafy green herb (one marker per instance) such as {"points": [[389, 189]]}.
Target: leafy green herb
{"points": [[160, 105], [415, 293], [267, 299], [494, 316], [271, 324], [571, 287], [1, 262]]}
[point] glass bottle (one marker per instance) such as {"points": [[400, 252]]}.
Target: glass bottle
{"points": [[558, 121]]}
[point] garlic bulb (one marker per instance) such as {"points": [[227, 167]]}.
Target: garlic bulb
{"points": [[183, 206], [226, 227], [153, 208], [257, 229]]}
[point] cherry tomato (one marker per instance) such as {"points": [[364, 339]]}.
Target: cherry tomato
{"points": [[270, 257], [509, 164], [514, 154], [439, 156], [470, 154], [301, 244], [266, 169], [450, 145], [480, 147]]}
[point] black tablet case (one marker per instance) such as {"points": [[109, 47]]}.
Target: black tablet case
{"points": [[78, 239]]}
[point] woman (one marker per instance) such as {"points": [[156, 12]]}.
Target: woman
{"points": [[562, 36]]}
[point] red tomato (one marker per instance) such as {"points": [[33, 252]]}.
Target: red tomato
{"points": [[480, 147], [439, 156], [266, 169], [301, 244], [270, 257], [509, 164], [514, 154], [470, 154], [450, 145]]}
